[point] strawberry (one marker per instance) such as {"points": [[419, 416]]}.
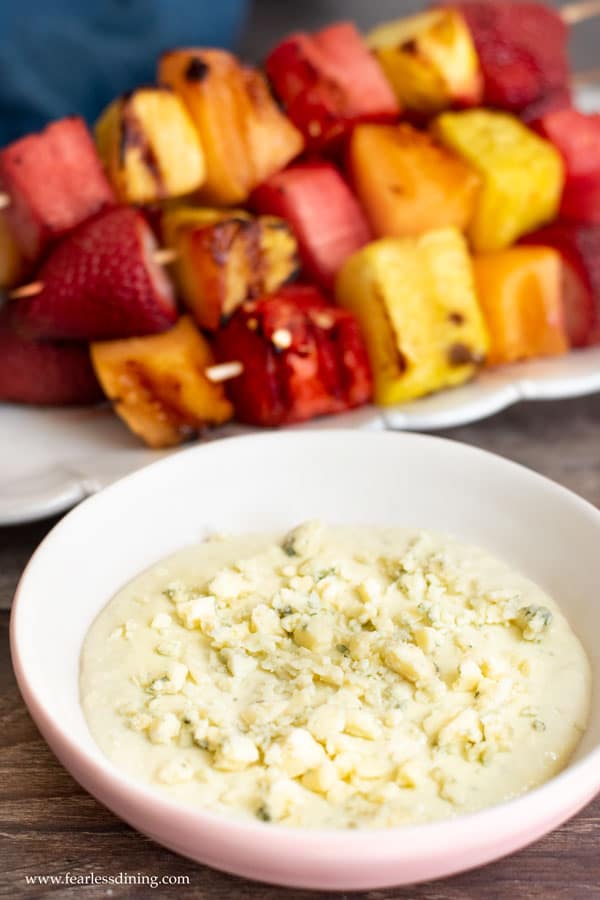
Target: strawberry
{"points": [[100, 282], [302, 358], [579, 247], [324, 214], [577, 138], [329, 81], [522, 49], [54, 181], [42, 373]]}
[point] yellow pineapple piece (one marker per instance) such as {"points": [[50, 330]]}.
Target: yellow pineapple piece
{"points": [[157, 384], [181, 215], [225, 257], [523, 175], [244, 134], [416, 303], [430, 60], [12, 264], [150, 147]]}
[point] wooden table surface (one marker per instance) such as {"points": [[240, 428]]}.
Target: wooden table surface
{"points": [[49, 826]]}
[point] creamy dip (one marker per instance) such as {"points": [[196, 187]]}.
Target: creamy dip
{"points": [[340, 677]]}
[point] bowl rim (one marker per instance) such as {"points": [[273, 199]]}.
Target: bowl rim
{"points": [[322, 843]]}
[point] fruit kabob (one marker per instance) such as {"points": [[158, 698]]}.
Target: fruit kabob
{"points": [[494, 173], [102, 280], [241, 194]]}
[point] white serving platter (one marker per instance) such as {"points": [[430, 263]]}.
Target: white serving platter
{"points": [[51, 459], [554, 378]]}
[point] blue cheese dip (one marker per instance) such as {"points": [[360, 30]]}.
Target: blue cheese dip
{"points": [[338, 677]]}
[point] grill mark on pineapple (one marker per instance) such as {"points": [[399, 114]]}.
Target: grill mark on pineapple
{"points": [[159, 400], [133, 136], [295, 269], [401, 360], [197, 70], [409, 46], [224, 238], [243, 237], [462, 355], [252, 237], [276, 224]]}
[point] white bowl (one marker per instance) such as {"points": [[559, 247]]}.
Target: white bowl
{"points": [[270, 482]]}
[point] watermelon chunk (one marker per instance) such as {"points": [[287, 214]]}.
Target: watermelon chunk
{"points": [[329, 81], [54, 181], [325, 216], [577, 137]]}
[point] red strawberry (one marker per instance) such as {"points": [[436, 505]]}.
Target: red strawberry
{"points": [[54, 181], [326, 217], [101, 282], [522, 49], [302, 358], [579, 247], [44, 374]]}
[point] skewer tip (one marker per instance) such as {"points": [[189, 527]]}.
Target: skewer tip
{"points": [[27, 290], [165, 256], [224, 371], [579, 11]]}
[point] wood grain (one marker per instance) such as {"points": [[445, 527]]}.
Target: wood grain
{"points": [[49, 826]]}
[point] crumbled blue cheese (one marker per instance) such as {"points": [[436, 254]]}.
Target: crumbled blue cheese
{"points": [[235, 753], [339, 677], [160, 621], [163, 729]]}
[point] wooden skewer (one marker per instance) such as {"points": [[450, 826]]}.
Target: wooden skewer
{"points": [[27, 290], [4, 201], [589, 76], [163, 257], [580, 11], [224, 371], [216, 374]]}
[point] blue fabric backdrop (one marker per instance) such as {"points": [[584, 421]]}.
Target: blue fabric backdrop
{"points": [[59, 57]]}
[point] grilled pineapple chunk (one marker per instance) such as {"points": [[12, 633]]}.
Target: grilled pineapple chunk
{"points": [[149, 146], [157, 384], [415, 300], [430, 60], [227, 257], [523, 175], [12, 264], [245, 136]]}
